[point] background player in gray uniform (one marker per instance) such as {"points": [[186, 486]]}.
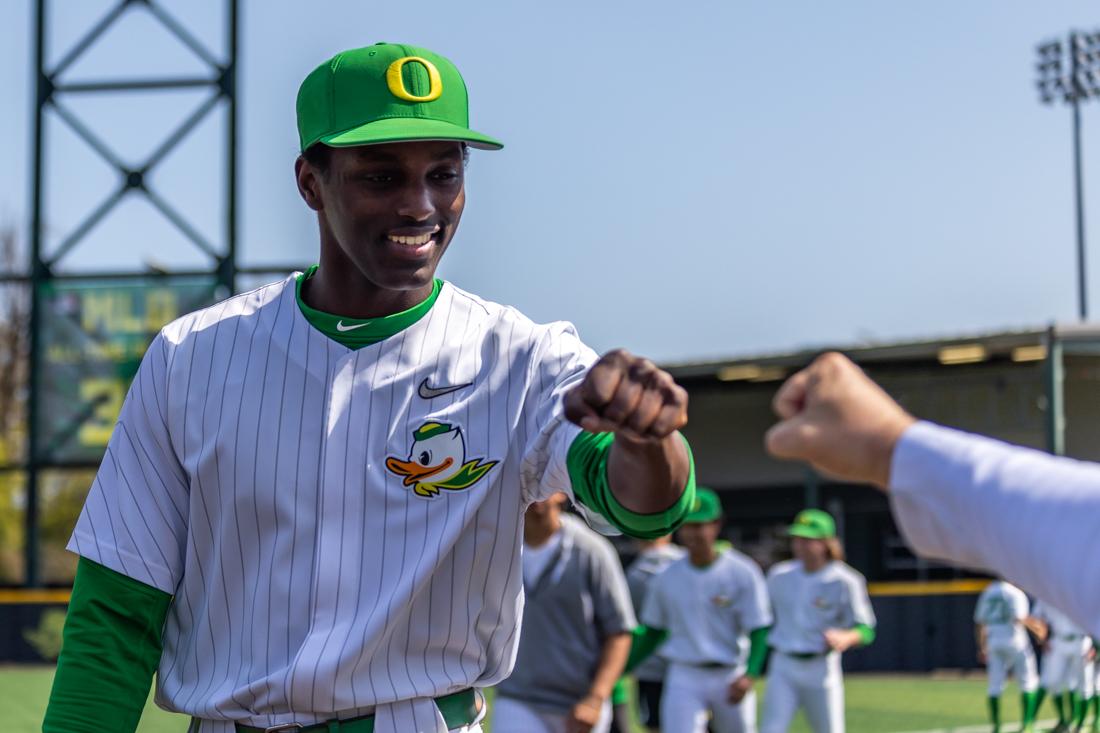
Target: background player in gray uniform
{"points": [[1066, 668], [821, 610], [710, 603], [654, 556], [576, 629], [1003, 646], [311, 507]]}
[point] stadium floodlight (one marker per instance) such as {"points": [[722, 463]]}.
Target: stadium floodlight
{"points": [[1070, 73]]}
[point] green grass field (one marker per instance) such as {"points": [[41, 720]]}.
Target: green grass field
{"points": [[876, 704]]}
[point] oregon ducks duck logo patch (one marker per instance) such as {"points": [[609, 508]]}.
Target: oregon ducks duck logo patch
{"points": [[437, 461]]}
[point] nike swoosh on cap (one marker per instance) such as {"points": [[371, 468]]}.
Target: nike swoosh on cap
{"points": [[428, 392], [342, 328]]}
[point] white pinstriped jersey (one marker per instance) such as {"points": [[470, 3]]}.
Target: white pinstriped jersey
{"points": [[341, 529]]}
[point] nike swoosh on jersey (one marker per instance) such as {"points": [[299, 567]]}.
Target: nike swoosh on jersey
{"points": [[427, 392], [342, 328]]}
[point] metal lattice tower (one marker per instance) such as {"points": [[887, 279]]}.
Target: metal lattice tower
{"points": [[52, 93]]}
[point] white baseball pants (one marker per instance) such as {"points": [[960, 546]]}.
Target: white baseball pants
{"points": [[509, 715], [1090, 679], [692, 692], [1063, 666], [1006, 660], [816, 685]]}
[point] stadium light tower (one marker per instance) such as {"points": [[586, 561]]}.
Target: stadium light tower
{"points": [[1070, 73]]}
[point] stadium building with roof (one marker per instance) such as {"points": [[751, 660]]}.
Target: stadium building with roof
{"points": [[1038, 388]]}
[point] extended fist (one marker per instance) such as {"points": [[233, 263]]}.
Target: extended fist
{"points": [[833, 416], [629, 396]]}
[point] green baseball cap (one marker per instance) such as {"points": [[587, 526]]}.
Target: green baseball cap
{"points": [[813, 524], [707, 507], [385, 93]]}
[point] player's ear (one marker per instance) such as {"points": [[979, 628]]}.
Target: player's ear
{"points": [[309, 185]]}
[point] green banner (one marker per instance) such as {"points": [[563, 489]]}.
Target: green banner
{"points": [[94, 334]]}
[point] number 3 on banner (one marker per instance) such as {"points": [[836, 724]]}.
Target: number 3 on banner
{"points": [[107, 396]]}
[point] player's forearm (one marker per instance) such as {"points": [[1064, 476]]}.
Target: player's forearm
{"points": [[112, 643], [1036, 627], [613, 656], [842, 640], [982, 503], [648, 477]]}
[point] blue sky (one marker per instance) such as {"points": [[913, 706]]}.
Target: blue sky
{"points": [[685, 179]]}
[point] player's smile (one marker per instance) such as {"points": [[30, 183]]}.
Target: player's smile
{"points": [[413, 243]]}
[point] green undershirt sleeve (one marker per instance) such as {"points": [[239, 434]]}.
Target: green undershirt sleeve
{"points": [[620, 693], [758, 651], [111, 646], [644, 641], [866, 633], [587, 464]]}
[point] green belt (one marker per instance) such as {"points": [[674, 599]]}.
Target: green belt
{"points": [[457, 709]]}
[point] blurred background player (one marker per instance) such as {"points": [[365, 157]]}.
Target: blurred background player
{"points": [[653, 557], [576, 628], [1065, 666], [711, 604], [999, 617], [1092, 686], [821, 610]]}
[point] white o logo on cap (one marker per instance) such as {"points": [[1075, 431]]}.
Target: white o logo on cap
{"points": [[396, 82]]}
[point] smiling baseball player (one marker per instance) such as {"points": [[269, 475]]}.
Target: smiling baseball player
{"points": [[309, 515]]}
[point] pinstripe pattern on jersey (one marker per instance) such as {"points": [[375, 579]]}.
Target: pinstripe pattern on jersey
{"points": [[246, 476]]}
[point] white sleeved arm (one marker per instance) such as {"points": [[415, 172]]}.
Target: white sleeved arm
{"points": [[981, 607], [134, 519], [560, 362], [754, 610], [653, 610], [1029, 517], [859, 603], [1022, 606]]}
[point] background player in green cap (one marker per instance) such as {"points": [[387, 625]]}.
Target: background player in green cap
{"points": [[309, 515], [711, 604], [821, 610]]}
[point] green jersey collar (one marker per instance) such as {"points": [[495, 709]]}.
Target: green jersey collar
{"points": [[355, 333]]}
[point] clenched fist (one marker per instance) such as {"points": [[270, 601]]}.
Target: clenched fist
{"points": [[834, 417], [629, 396]]}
